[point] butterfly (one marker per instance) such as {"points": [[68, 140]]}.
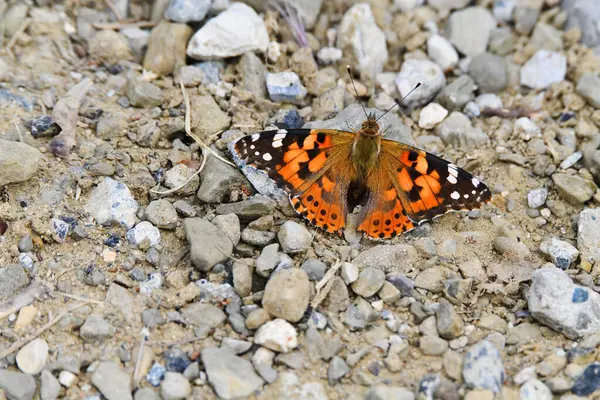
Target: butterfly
{"points": [[328, 172]]}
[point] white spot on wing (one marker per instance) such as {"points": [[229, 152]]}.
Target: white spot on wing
{"points": [[267, 157], [475, 181], [281, 132], [452, 170], [452, 179], [277, 144], [278, 136], [466, 196], [252, 147], [256, 153], [455, 195], [255, 137]]}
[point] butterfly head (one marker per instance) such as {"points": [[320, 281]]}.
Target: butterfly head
{"points": [[370, 127]]}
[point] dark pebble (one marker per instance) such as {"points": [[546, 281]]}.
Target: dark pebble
{"points": [[589, 381], [176, 360]]}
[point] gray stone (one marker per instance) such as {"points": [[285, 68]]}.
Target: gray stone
{"points": [[233, 32], [510, 247], [573, 188], [285, 87], [162, 214], [314, 268], [535, 389], [267, 260], [457, 130], [337, 370], [458, 93], [588, 87], [208, 244], [329, 103], [143, 234], [294, 237], [151, 318], [469, 30], [525, 18], [175, 387], [360, 314], [262, 360], [561, 253], [208, 118], [414, 71], [588, 235], [546, 37], [253, 75], [483, 367], [49, 386], [187, 10], [32, 357], [387, 392], [242, 277], [256, 237], [449, 323], [219, 180], [278, 335], [537, 197], [96, 329], [109, 46], [337, 299], [205, 316], [13, 17], [18, 162], [287, 294], [16, 385], [250, 209], [489, 72], [112, 126], [223, 368], [230, 224], [12, 278], [585, 15], [166, 47], [190, 75], [237, 346], [112, 381], [544, 69], [146, 394], [369, 282], [432, 345], [360, 36], [144, 94]]}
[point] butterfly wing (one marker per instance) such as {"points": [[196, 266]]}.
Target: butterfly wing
{"points": [[410, 186], [308, 164]]}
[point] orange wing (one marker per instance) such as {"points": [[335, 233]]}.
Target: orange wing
{"points": [[308, 164], [411, 186]]}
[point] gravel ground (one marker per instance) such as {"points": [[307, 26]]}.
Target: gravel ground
{"points": [[126, 275]]}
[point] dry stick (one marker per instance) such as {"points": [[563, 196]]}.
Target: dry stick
{"points": [[325, 283], [17, 345], [116, 26], [17, 34], [114, 9]]}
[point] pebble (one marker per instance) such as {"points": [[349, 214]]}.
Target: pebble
{"points": [[483, 367], [12, 278], [433, 345], [96, 329], [166, 47], [49, 386], [16, 385], [205, 316], [503, 9], [360, 35], [337, 370], [526, 128], [144, 94], [287, 294], [294, 237], [543, 69], [210, 119], [262, 360], [111, 202], [588, 87], [26, 316], [146, 394], [537, 197], [588, 235], [285, 87], [360, 314], [489, 101], [369, 281], [389, 392], [449, 323], [156, 374], [253, 74], [143, 233], [349, 272], [175, 387], [277, 335], [431, 115], [573, 188], [469, 30], [457, 130], [589, 381], [110, 47], [561, 253], [233, 32], [570, 303], [257, 318], [571, 160], [32, 357], [388, 258], [489, 72], [224, 367], [208, 244], [457, 94], [428, 73], [256, 237], [237, 346], [162, 214], [67, 378], [511, 247], [441, 51], [19, 162], [314, 268], [187, 10], [112, 381], [535, 389], [230, 224]]}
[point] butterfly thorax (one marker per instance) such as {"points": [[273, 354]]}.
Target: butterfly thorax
{"points": [[366, 148]]}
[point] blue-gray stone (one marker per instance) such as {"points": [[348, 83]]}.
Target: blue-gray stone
{"points": [[187, 10]]}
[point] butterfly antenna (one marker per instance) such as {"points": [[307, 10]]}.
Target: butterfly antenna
{"points": [[401, 100], [356, 91]]}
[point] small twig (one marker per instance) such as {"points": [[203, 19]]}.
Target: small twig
{"points": [[173, 343], [79, 298], [117, 26], [325, 283], [114, 9], [18, 34], [173, 190], [17, 345]]}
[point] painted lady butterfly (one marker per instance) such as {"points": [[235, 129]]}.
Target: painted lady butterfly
{"points": [[328, 172]]}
